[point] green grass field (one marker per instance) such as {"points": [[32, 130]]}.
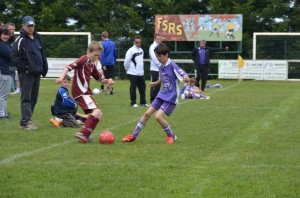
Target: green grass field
{"points": [[243, 142]]}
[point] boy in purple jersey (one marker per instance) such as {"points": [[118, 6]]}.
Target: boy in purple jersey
{"points": [[166, 100], [191, 91]]}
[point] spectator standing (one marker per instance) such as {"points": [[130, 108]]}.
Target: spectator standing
{"points": [[154, 66], [29, 57], [201, 57], [5, 79], [134, 66], [11, 28], [108, 59], [15, 81]]}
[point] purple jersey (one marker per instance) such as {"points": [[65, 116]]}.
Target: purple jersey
{"points": [[169, 76]]}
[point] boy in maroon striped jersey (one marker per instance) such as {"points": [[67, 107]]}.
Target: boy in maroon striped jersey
{"points": [[85, 68]]}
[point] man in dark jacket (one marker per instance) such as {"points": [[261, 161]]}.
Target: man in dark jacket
{"points": [[201, 57], [29, 57]]}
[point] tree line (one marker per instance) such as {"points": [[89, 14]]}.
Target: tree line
{"points": [[125, 18]]}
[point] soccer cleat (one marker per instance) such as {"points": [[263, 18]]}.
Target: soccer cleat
{"points": [[128, 138], [90, 140], [145, 105], [135, 105], [82, 138], [171, 139], [55, 122]]}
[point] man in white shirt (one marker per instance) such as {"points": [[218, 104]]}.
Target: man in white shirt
{"points": [[154, 67], [134, 66]]}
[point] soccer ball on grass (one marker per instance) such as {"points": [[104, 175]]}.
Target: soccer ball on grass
{"points": [[96, 91], [106, 137]]}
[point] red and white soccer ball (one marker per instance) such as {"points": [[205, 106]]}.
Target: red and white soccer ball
{"points": [[106, 137]]}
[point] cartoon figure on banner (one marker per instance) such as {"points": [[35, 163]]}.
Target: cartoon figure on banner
{"points": [[216, 28], [230, 28], [190, 23]]}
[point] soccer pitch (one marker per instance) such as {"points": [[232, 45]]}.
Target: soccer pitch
{"points": [[243, 142]]}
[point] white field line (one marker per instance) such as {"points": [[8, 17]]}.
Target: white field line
{"points": [[212, 93], [12, 158]]}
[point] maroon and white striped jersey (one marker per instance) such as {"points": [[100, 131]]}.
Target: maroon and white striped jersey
{"points": [[83, 70]]}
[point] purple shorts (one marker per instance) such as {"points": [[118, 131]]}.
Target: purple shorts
{"points": [[167, 107]]}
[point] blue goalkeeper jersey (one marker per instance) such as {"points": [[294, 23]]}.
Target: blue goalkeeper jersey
{"points": [[63, 103]]}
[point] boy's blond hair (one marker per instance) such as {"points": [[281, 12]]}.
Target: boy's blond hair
{"points": [[95, 46], [104, 34]]}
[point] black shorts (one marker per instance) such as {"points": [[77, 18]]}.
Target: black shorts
{"points": [[109, 72]]}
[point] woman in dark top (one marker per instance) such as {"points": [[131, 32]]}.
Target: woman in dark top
{"points": [[5, 78]]}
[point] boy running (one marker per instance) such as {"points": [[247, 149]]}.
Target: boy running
{"points": [[166, 100], [84, 68]]}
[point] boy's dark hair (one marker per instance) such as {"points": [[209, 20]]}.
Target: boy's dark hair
{"points": [[162, 49], [67, 77], [4, 31], [156, 35]]}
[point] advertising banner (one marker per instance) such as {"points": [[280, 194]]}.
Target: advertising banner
{"points": [[257, 70], [57, 65], [209, 27]]}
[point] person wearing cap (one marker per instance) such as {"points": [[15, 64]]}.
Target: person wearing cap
{"points": [[28, 55]]}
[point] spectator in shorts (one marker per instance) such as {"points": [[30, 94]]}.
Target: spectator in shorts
{"points": [[65, 108], [85, 68], [5, 79], [28, 55], [108, 59]]}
